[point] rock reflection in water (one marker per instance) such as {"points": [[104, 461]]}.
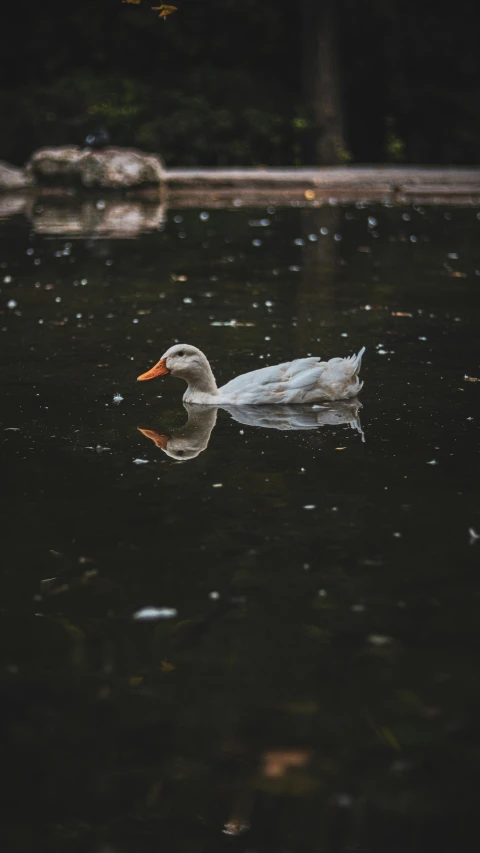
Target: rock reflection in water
{"points": [[193, 438], [115, 218]]}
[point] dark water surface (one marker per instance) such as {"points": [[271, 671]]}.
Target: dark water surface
{"points": [[320, 680]]}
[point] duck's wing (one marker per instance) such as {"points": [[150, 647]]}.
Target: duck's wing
{"points": [[284, 383]]}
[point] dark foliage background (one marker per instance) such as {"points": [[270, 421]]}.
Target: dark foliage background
{"points": [[222, 82]]}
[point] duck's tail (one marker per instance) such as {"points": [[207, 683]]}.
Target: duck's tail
{"points": [[356, 362]]}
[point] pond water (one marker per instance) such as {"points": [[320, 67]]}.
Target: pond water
{"points": [[314, 682]]}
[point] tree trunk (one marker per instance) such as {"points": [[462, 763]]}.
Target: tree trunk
{"points": [[322, 79]]}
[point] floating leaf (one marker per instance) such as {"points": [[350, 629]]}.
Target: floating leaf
{"points": [[277, 762], [165, 666], [164, 10], [236, 826], [390, 738], [471, 379], [135, 2]]}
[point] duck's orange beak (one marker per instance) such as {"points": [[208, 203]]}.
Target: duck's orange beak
{"points": [[159, 438], [159, 369]]}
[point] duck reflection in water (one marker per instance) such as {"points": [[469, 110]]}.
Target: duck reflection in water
{"points": [[191, 439]]}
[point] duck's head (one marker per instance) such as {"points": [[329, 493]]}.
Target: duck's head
{"points": [[181, 360]]}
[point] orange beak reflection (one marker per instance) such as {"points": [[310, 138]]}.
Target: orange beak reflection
{"points": [[159, 369], [160, 439]]}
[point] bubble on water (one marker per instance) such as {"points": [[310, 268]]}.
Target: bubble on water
{"points": [[256, 242], [12, 304], [313, 238], [324, 231], [432, 462], [101, 204], [84, 281], [310, 506], [188, 300], [379, 640], [7, 279], [406, 217], [412, 238], [453, 256], [152, 614], [269, 304], [214, 595], [299, 241], [204, 216], [294, 268], [178, 218], [372, 221], [259, 223]]}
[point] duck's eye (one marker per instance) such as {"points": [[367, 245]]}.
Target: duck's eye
{"points": [[181, 353]]}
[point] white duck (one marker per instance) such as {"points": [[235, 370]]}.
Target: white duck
{"points": [[305, 380]]}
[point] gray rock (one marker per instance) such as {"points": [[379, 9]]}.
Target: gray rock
{"points": [[12, 178], [121, 167], [110, 168]]}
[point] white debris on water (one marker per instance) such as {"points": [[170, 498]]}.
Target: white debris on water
{"points": [[117, 398], [140, 461], [379, 640], [153, 614], [473, 535]]}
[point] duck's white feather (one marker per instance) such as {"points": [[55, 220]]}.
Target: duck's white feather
{"points": [[305, 380]]}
